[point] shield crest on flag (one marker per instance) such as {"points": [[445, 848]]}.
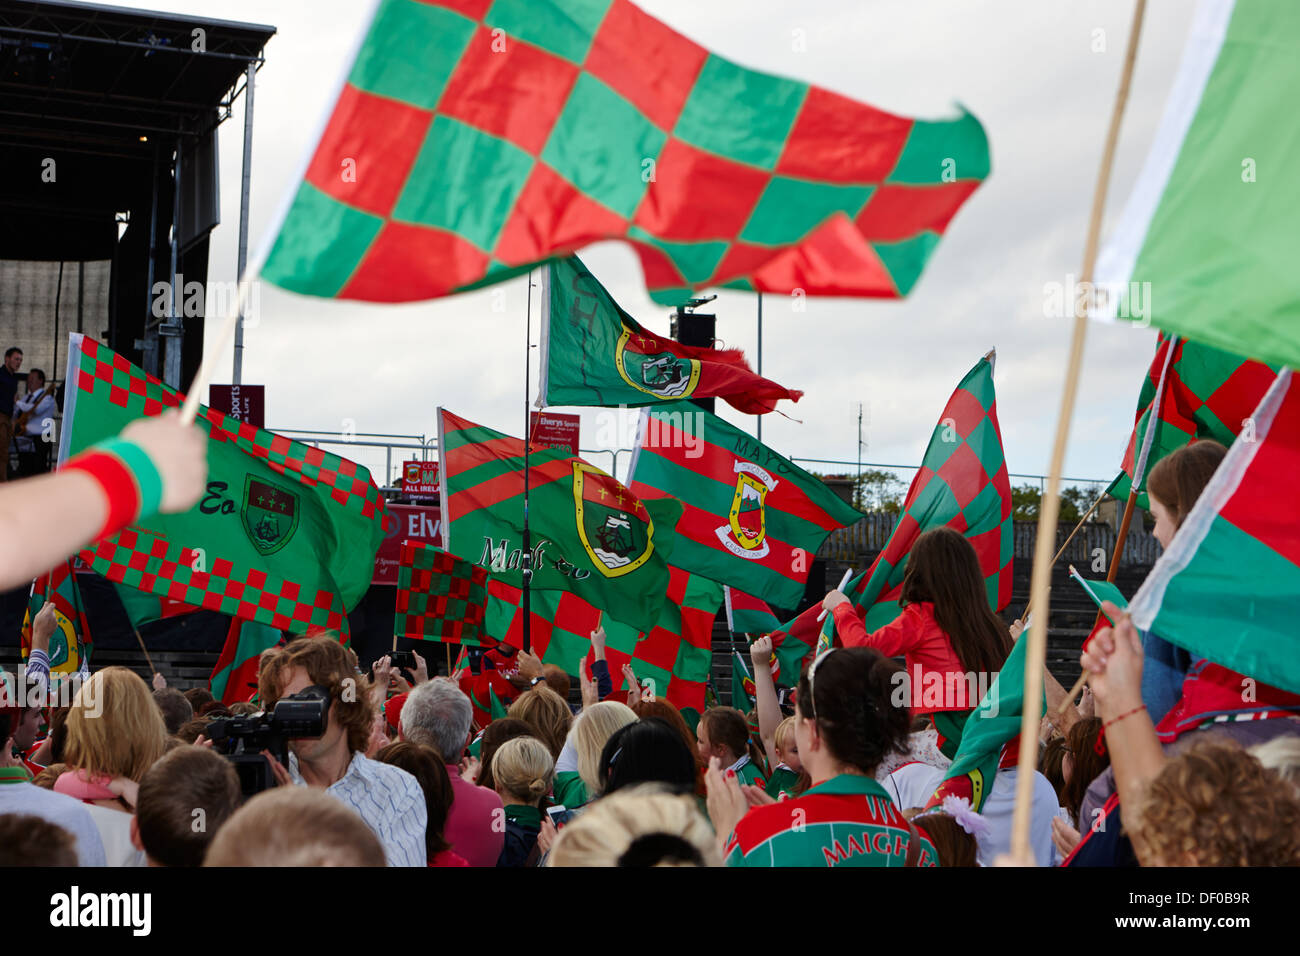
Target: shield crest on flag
{"points": [[661, 373], [614, 526], [413, 472], [745, 533], [269, 514]]}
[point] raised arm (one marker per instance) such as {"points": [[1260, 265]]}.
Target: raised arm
{"points": [[769, 709]]}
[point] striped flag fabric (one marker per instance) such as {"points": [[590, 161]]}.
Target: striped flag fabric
{"points": [[440, 597], [747, 614], [590, 535], [751, 518], [1225, 588], [1206, 246], [474, 139]]}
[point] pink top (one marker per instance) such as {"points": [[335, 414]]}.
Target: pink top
{"points": [[472, 826], [448, 858]]}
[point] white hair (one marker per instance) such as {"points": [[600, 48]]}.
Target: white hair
{"points": [[438, 713]]}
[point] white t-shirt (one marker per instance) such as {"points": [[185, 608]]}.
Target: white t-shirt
{"points": [[115, 830]]}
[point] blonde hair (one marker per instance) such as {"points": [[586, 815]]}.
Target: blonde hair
{"points": [[522, 768], [547, 713], [114, 727], [1216, 805], [295, 826], [1282, 756], [785, 731], [594, 727], [609, 828]]}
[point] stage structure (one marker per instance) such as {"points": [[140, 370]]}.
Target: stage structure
{"points": [[109, 179]]}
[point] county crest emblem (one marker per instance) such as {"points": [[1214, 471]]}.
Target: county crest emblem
{"points": [[269, 514], [745, 533], [613, 524]]}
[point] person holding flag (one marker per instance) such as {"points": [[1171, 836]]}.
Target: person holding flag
{"points": [[155, 465]]}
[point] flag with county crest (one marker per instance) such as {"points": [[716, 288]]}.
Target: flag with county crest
{"points": [[594, 353], [1207, 244], [1225, 589], [285, 534], [474, 139], [670, 659], [70, 644], [1207, 393], [440, 597], [590, 535], [753, 519]]}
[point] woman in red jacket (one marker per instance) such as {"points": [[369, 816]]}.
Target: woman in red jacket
{"points": [[952, 643]]}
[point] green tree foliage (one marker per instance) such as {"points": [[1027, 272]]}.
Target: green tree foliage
{"points": [[1075, 501]]}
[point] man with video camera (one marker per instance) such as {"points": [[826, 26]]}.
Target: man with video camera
{"points": [[387, 798]]}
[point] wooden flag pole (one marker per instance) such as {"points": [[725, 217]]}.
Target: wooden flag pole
{"points": [[447, 648], [140, 641], [1036, 652]]}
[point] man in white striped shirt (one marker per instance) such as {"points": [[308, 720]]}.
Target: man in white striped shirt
{"points": [[387, 798]]}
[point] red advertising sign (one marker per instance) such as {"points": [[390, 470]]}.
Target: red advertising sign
{"points": [[420, 478], [553, 430], [244, 403], [401, 522]]}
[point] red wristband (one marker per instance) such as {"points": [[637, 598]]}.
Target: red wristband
{"points": [[1127, 713], [118, 485]]}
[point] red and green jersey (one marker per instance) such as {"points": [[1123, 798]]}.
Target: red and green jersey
{"points": [[234, 678], [847, 820], [70, 644], [285, 533], [752, 518], [1225, 588], [962, 484], [783, 780], [590, 535], [671, 660], [440, 597], [594, 353], [1206, 393], [476, 138]]}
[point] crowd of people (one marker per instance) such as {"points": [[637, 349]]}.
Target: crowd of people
{"points": [[26, 432], [1164, 760]]}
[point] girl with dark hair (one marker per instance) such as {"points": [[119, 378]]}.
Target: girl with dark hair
{"points": [[952, 642], [846, 726], [723, 733]]}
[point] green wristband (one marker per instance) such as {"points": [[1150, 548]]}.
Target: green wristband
{"points": [[142, 468]]}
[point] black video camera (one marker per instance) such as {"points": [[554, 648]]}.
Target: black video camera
{"points": [[242, 739]]}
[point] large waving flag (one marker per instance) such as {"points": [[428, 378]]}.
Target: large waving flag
{"points": [[673, 656], [752, 519], [71, 643], [590, 535], [962, 484], [440, 597], [1207, 245], [1206, 393], [594, 353], [286, 534], [1226, 587], [476, 138]]}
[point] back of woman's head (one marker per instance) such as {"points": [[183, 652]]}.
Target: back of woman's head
{"points": [[494, 735], [944, 570], [114, 727], [649, 751], [954, 845], [636, 827], [594, 727], [669, 714], [1050, 765], [1216, 805], [1178, 479], [523, 769], [1086, 746], [425, 764], [547, 712], [851, 699]]}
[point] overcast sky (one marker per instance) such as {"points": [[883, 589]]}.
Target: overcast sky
{"points": [[1040, 74]]}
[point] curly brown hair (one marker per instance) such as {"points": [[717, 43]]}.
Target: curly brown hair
{"points": [[330, 665], [1215, 805]]}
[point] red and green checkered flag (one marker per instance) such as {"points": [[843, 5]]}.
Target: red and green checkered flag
{"points": [[1225, 589], [71, 644], [440, 597], [1207, 393], [286, 534], [590, 535], [234, 678], [752, 518], [673, 657], [474, 139]]}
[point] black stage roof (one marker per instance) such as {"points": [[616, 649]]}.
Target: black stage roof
{"points": [[101, 89]]}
